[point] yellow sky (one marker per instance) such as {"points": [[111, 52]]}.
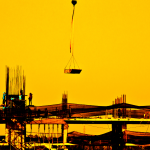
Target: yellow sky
{"points": [[111, 45]]}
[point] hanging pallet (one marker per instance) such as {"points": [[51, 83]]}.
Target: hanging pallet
{"points": [[72, 71]]}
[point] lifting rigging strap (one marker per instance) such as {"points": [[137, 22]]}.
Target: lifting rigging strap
{"points": [[72, 57]]}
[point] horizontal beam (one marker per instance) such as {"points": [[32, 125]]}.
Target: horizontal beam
{"points": [[107, 121]]}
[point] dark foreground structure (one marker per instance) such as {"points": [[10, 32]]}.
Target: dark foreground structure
{"points": [[16, 114]]}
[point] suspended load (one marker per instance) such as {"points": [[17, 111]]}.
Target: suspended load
{"points": [[72, 70]]}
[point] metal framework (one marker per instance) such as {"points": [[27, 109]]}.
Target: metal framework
{"points": [[16, 115]]}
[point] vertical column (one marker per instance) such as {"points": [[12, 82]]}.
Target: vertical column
{"points": [[49, 131], [49, 137], [118, 138], [65, 136], [57, 133], [52, 133], [38, 132], [44, 134], [62, 131], [64, 105]]}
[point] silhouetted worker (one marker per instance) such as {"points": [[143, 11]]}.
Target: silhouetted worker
{"points": [[20, 95], [30, 98], [4, 94]]}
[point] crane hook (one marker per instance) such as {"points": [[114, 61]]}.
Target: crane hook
{"points": [[74, 2]]}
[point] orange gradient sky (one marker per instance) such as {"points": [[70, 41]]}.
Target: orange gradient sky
{"points": [[111, 45]]}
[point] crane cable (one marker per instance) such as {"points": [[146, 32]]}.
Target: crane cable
{"points": [[74, 2], [71, 36]]}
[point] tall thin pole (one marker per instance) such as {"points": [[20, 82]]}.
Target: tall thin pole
{"points": [[38, 131], [52, 133], [44, 133], [49, 135], [57, 133]]}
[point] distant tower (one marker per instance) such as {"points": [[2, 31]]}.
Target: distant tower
{"points": [[64, 105]]}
